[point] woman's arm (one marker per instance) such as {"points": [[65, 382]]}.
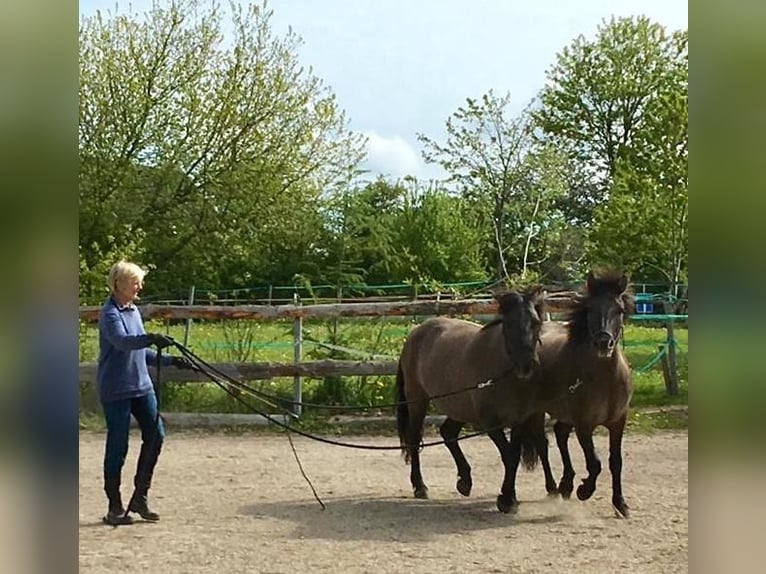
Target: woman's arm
{"points": [[113, 328]]}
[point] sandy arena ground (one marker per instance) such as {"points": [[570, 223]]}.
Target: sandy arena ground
{"points": [[239, 504]]}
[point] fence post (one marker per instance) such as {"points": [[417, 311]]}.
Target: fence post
{"points": [[665, 369], [297, 356], [671, 356], [187, 331]]}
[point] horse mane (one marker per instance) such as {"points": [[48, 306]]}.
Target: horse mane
{"points": [[532, 292], [603, 282], [496, 321]]}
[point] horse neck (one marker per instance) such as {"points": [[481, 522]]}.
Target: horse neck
{"points": [[488, 342]]}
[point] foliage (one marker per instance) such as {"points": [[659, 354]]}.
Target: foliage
{"points": [[223, 162], [644, 225], [218, 152], [617, 105], [398, 232], [600, 93], [436, 240], [510, 182]]}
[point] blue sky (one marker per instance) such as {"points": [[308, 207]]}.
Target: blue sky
{"points": [[402, 67]]}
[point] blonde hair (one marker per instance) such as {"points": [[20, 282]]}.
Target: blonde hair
{"points": [[124, 270]]}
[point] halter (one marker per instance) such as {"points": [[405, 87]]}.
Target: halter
{"points": [[616, 337]]}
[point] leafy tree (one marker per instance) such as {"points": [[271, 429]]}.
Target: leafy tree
{"points": [[512, 182], [644, 226], [436, 240], [401, 232], [218, 152], [362, 225], [598, 98]]}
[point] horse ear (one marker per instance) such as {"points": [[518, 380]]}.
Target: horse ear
{"points": [[536, 294], [507, 300], [539, 304], [590, 281], [502, 301], [622, 285]]}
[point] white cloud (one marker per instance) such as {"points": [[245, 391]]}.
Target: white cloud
{"points": [[392, 157]]}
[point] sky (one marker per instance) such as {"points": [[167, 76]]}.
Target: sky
{"points": [[401, 67]]}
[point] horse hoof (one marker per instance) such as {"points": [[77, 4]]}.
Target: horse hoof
{"points": [[464, 487], [584, 492], [507, 507], [421, 493], [621, 509], [553, 493]]}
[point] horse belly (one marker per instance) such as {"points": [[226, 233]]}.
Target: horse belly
{"points": [[582, 411], [459, 408]]}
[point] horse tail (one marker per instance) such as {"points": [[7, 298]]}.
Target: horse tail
{"points": [[531, 434], [402, 413]]}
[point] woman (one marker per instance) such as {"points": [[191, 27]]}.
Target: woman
{"points": [[125, 388]]}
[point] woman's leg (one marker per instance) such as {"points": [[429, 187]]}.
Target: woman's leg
{"points": [[117, 416], [152, 435]]}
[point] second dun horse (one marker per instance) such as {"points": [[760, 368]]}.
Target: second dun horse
{"points": [[587, 382]]}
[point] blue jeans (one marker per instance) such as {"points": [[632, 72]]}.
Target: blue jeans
{"points": [[117, 415]]}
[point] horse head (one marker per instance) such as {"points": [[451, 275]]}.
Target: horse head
{"points": [[603, 309], [521, 315]]}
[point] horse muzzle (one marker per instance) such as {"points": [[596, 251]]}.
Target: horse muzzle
{"points": [[525, 369], [605, 344]]}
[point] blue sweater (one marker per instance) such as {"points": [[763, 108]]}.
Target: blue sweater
{"points": [[123, 354]]}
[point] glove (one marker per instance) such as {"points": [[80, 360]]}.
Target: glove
{"points": [[161, 341], [182, 363]]}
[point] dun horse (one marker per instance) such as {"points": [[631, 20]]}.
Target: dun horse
{"points": [[444, 355], [587, 382]]}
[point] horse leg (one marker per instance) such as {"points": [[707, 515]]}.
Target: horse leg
{"points": [[414, 438], [537, 425], [449, 430], [566, 484], [510, 452], [616, 430], [534, 447], [592, 463]]}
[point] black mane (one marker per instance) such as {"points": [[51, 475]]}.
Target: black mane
{"points": [[610, 282]]}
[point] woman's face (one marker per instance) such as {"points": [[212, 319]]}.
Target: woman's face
{"points": [[128, 289]]}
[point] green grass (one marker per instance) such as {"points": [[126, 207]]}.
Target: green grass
{"points": [[242, 341]]}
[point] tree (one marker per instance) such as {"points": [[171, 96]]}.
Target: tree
{"points": [[436, 240], [362, 233], [510, 180], [644, 225], [219, 152], [403, 231], [598, 98]]}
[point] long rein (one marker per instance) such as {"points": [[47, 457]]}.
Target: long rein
{"points": [[224, 381]]}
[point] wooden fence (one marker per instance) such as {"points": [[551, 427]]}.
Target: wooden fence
{"points": [[555, 303]]}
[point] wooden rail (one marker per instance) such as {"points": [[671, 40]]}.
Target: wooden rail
{"points": [[555, 304], [267, 370]]}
